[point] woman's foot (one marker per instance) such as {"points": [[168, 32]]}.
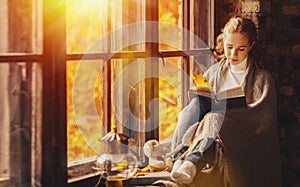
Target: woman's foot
{"points": [[183, 172]]}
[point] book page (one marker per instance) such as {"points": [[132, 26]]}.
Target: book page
{"points": [[231, 93], [204, 91]]}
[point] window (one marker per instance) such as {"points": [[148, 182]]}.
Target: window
{"points": [[130, 65], [71, 70], [20, 93]]}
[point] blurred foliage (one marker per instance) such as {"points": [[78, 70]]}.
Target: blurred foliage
{"points": [[77, 145]]}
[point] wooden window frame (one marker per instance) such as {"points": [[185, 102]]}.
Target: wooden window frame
{"points": [[19, 52]]}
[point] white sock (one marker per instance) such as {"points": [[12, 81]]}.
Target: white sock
{"points": [[185, 173], [176, 165]]}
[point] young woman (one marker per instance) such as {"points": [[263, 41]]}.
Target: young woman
{"points": [[246, 138]]}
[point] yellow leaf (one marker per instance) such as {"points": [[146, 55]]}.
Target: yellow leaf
{"points": [[201, 81]]}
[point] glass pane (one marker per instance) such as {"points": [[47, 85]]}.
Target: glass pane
{"points": [[134, 100], [102, 26], [84, 108], [169, 95], [20, 123], [128, 97], [21, 26], [170, 25], [120, 91], [84, 24], [199, 64], [171, 78], [128, 23]]}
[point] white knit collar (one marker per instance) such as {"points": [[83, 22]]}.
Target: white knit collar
{"points": [[242, 66]]}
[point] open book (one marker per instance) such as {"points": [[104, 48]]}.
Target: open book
{"points": [[227, 94], [233, 97]]}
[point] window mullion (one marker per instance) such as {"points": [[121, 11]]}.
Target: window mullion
{"points": [[186, 24], [54, 146], [211, 33], [106, 81], [126, 55], [106, 101], [185, 65], [20, 57], [151, 85], [152, 35]]}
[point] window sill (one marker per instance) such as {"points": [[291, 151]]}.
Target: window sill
{"points": [[81, 173], [81, 169]]}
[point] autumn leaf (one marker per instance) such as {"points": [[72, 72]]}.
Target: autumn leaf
{"points": [[200, 81]]}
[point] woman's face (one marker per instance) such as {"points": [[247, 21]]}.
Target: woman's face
{"points": [[236, 47]]}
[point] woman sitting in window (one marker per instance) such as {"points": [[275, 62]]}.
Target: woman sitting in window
{"points": [[240, 146]]}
